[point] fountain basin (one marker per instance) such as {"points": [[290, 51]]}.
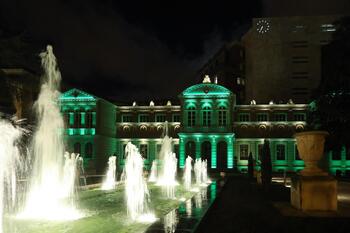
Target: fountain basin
{"points": [[105, 212]]}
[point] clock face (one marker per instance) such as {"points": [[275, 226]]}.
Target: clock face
{"points": [[262, 26]]}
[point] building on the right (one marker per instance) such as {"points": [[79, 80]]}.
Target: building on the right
{"points": [[283, 57]]}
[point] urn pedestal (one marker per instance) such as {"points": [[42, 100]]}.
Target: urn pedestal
{"points": [[313, 188]]}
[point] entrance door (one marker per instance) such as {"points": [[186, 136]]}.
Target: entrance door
{"points": [[206, 152], [222, 156], [190, 150]]}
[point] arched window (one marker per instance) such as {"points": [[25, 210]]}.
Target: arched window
{"points": [[191, 117], [222, 116], [77, 148], [206, 152], [88, 150], [206, 116], [221, 155]]}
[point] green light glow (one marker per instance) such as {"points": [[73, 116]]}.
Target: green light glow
{"points": [[82, 131], [71, 118], [70, 131], [213, 191], [82, 118], [182, 153], [93, 131]]}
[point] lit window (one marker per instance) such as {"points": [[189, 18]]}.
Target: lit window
{"points": [[280, 152], [244, 117], [143, 118], [243, 152], [160, 118], [280, 117], [176, 118], [126, 118], [77, 119], [191, 117], [261, 117], [328, 28], [206, 116], [299, 117], [222, 116]]}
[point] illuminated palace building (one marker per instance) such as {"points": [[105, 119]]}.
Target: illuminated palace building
{"points": [[208, 124]]}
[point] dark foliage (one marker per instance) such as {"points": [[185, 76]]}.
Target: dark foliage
{"points": [[330, 111], [266, 166]]}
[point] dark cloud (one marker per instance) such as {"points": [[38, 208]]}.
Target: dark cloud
{"points": [[120, 51]]}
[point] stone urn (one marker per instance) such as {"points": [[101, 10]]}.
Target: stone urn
{"points": [[311, 146]]}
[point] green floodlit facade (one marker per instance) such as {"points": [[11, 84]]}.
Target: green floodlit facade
{"points": [[207, 124]]}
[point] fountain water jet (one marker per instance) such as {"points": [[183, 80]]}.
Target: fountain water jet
{"points": [[9, 164], [49, 197], [167, 176], [110, 181], [136, 190], [188, 173], [154, 172]]}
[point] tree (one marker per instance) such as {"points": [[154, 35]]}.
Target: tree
{"points": [[266, 166], [329, 111], [250, 166]]}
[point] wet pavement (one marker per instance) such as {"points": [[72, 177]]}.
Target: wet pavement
{"points": [[188, 215]]}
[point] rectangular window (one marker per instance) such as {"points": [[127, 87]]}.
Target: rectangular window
{"points": [[298, 28], [144, 150], [243, 152], [243, 117], [143, 118], [176, 118], [299, 117], [126, 118], [280, 152], [160, 118], [280, 117], [93, 119], [261, 117], [206, 118], [328, 28], [296, 153], [222, 118], [191, 118], [347, 153]]}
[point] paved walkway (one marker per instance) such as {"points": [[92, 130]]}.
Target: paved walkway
{"points": [[242, 207]]}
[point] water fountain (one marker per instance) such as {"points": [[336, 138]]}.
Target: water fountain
{"points": [[198, 171], [154, 172], [188, 173], [110, 180], [49, 197], [167, 176], [136, 190], [9, 164], [205, 179]]}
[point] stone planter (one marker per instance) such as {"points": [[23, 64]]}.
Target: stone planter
{"points": [[311, 146], [313, 189]]}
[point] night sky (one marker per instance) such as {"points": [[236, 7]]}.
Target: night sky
{"points": [[133, 50]]}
